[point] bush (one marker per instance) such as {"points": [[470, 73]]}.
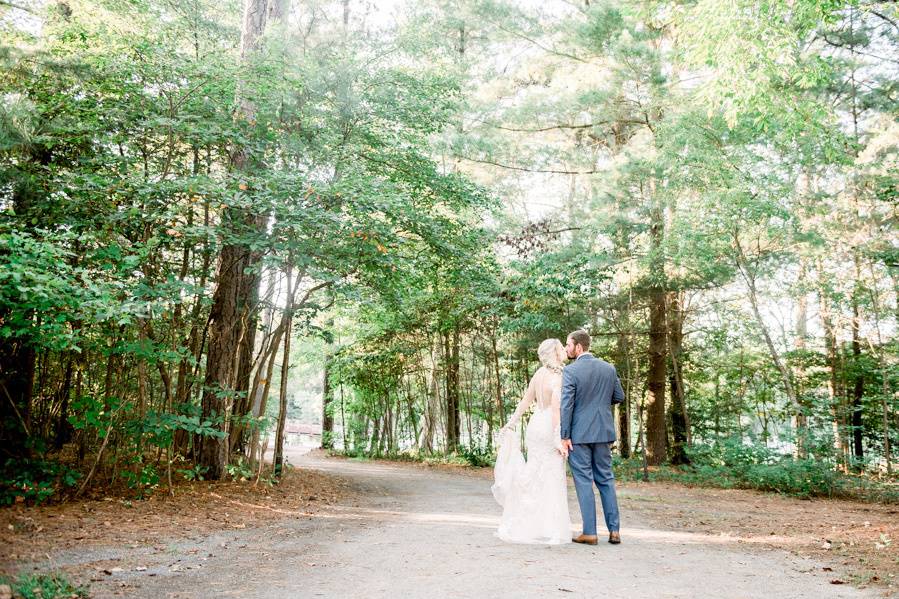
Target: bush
{"points": [[731, 464], [479, 457], [34, 480], [801, 478], [241, 469], [43, 586], [476, 457]]}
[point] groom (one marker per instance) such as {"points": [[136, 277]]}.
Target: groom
{"points": [[589, 388]]}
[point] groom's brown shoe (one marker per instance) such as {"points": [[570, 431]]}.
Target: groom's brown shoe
{"points": [[585, 539], [614, 538]]}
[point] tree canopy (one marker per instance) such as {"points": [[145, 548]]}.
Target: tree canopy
{"points": [[197, 196]]}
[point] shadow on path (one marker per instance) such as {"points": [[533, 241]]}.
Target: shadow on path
{"points": [[429, 533]]}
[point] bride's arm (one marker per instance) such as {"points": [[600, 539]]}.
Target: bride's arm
{"points": [[556, 407], [529, 395]]}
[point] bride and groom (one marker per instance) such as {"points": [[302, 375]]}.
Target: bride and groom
{"points": [[573, 419]]}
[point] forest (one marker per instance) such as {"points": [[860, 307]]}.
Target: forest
{"points": [[405, 199]]}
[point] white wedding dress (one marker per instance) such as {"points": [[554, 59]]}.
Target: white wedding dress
{"points": [[534, 493]]}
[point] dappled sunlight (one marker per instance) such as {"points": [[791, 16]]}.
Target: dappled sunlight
{"points": [[366, 467], [266, 508], [453, 519], [674, 537]]}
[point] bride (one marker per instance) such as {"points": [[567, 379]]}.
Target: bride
{"points": [[534, 493]]}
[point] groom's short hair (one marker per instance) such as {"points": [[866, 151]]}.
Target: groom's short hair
{"points": [[580, 337]]}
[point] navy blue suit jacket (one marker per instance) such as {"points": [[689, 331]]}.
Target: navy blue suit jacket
{"points": [[589, 388]]}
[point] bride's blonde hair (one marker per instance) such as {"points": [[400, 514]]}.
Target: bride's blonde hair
{"points": [[548, 352]]}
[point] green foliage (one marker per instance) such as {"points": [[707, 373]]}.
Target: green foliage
{"points": [[733, 464], [37, 278], [641, 150], [241, 469], [34, 480], [468, 457], [44, 586], [89, 412], [140, 476], [478, 457], [195, 472]]}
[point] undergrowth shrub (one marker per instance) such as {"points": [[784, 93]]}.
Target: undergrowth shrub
{"points": [[34, 480], [43, 586], [732, 464]]}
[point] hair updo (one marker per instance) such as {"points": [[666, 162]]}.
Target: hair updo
{"points": [[548, 352]]}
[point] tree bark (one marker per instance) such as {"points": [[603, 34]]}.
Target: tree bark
{"points": [[656, 374], [800, 417], [232, 317], [262, 382], [623, 364], [278, 457], [432, 407], [680, 424], [63, 428], [18, 361], [834, 392], [858, 388], [327, 411], [886, 372], [498, 388], [451, 354], [224, 348]]}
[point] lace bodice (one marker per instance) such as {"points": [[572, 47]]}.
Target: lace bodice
{"points": [[545, 389]]}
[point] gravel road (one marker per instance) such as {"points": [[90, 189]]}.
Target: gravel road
{"points": [[419, 532]]}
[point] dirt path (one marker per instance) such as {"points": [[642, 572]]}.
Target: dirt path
{"points": [[417, 532]]}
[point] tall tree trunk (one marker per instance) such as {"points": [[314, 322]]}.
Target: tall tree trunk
{"points": [[834, 392], [623, 364], [327, 408], [142, 376], [858, 388], [885, 390], [232, 316], [249, 324], [262, 382], [243, 435], [432, 408], [224, 348], [800, 417], [375, 443], [680, 425], [63, 428], [498, 388], [451, 354], [278, 457], [410, 409], [18, 362], [886, 372], [656, 373], [342, 419]]}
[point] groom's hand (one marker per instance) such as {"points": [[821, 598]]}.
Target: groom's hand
{"points": [[566, 445]]}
